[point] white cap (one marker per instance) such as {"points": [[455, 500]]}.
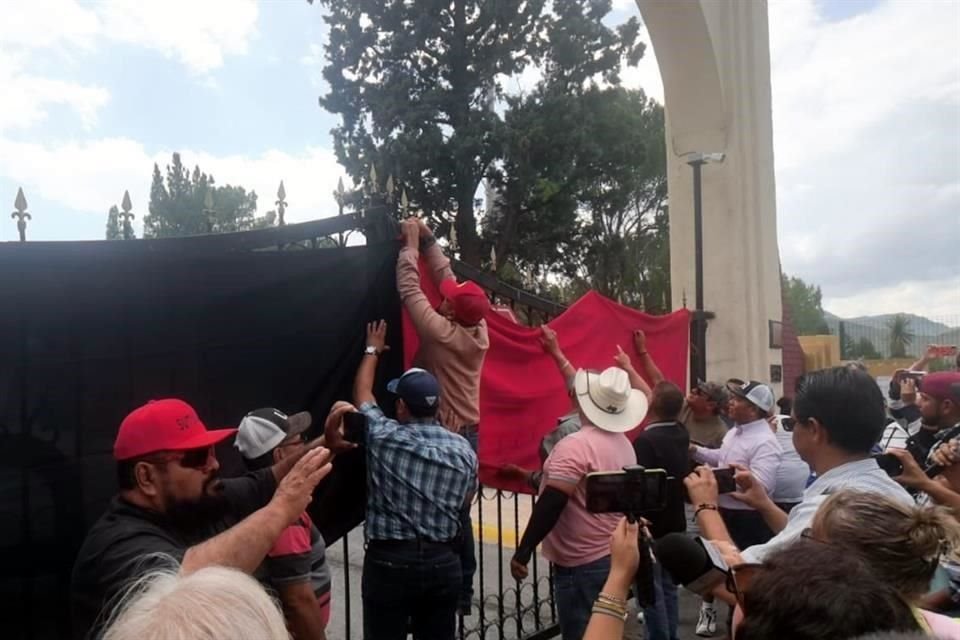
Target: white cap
{"points": [[262, 430], [756, 392]]}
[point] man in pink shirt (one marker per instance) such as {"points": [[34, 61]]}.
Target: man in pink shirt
{"points": [[576, 541]]}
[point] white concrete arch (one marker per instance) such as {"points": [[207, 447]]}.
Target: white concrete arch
{"points": [[714, 58]]}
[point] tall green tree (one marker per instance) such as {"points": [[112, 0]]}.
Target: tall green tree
{"points": [[806, 306], [583, 193], [901, 335], [414, 84], [113, 224], [865, 349], [190, 203]]}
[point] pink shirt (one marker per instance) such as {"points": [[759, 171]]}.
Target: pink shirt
{"points": [[579, 536]]}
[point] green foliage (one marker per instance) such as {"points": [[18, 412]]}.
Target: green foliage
{"points": [[806, 306], [864, 349], [113, 224], [901, 335], [179, 205], [416, 85]]}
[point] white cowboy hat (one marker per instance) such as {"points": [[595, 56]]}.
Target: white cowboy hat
{"points": [[608, 401]]}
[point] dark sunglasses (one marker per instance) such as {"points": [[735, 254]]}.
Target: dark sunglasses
{"points": [[788, 423], [188, 459], [739, 578]]}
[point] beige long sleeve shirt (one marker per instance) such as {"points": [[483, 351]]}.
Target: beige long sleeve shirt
{"points": [[450, 351]]}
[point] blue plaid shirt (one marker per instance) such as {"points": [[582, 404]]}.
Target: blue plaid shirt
{"points": [[418, 477]]}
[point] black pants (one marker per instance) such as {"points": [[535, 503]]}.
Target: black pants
{"points": [[410, 585], [746, 527]]}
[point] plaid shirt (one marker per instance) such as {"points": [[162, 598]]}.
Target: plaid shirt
{"points": [[418, 477]]}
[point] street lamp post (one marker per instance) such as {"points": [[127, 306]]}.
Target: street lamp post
{"points": [[696, 161]]}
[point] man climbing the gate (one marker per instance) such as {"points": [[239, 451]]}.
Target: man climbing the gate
{"points": [[453, 343]]}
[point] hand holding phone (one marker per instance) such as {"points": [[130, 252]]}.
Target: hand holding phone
{"points": [[354, 427]]}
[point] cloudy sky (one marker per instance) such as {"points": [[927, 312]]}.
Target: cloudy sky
{"points": [[866, 111]]}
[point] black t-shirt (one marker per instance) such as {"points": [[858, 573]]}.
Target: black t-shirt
{"points": [[128, 541], [665, 445]]}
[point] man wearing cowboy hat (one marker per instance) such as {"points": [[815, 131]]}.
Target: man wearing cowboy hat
{"points": [[576, 541]]}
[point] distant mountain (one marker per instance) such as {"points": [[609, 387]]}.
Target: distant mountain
{"points": [[874, 328]]}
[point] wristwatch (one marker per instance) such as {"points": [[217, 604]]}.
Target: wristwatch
{"points": [[371, 351]]}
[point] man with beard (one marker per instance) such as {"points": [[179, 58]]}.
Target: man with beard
{"points": [[173, 508]]}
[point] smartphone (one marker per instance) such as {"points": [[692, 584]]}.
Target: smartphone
{"points": [[633, 491], [725, 481], [354, 427], [889, 463]]}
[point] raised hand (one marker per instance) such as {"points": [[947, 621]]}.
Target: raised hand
{"points": [[548, 339], [377, 335], [640, 342], [295, 491]]}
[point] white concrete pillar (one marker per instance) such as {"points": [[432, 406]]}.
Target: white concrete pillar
{"points": [[714, 59]]}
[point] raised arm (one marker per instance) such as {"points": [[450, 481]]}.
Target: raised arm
{"points": [[363, 382], [636, 380], [437, 263], [245, 545], [548, 340], [426, 320], [646, 360]]}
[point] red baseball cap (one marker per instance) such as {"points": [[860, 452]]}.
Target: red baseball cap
{"points": [[163, 425], [470, 303], [944, 385]]}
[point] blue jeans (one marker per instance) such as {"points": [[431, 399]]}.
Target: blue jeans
{"points": [[575, 589], [663, 619], [411, 587]]}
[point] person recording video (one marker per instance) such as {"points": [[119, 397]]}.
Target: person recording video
{"points": [[575, 540], [664, 444]]}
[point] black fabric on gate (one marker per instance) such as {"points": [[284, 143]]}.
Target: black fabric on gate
{"points": [[89, 331]]}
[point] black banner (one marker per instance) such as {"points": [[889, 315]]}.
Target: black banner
{"points": [[89, 331]]}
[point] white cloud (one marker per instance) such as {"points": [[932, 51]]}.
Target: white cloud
{"points": [[198, 34], [28, 97], [90, 176], [867, 151], [935, 299]]}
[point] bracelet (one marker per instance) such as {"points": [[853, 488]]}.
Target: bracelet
{"points": [[614, 599], [617, 612], [704, 507]]}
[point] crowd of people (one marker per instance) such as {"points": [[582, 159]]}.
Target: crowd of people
{"points": [[829, 514]]}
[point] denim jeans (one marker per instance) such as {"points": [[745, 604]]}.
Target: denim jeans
{"points": [[663, 619], [574, 591], [413, 587], [468, 551]]}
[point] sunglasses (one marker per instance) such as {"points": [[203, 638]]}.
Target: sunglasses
{"points": [[188, 459], [739, 578], [788, 423]]}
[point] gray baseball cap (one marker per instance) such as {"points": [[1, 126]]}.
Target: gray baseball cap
{"points": [[262, 430]]}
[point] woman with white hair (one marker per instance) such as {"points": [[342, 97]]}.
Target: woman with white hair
{"points": [[215, 603]]}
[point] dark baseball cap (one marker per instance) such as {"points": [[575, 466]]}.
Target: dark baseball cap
{"points": [[713, 391], [417, 388], [264, 429]]}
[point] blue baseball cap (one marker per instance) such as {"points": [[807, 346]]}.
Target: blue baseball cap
{"points": [[417, 387]]}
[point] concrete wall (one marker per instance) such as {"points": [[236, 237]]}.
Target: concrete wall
{"points": [[715, 64]]}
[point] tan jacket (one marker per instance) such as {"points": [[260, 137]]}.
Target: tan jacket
{"points": [[450, 351]]}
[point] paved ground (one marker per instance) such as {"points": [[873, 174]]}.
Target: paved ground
{"points": [[494, 567]]}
